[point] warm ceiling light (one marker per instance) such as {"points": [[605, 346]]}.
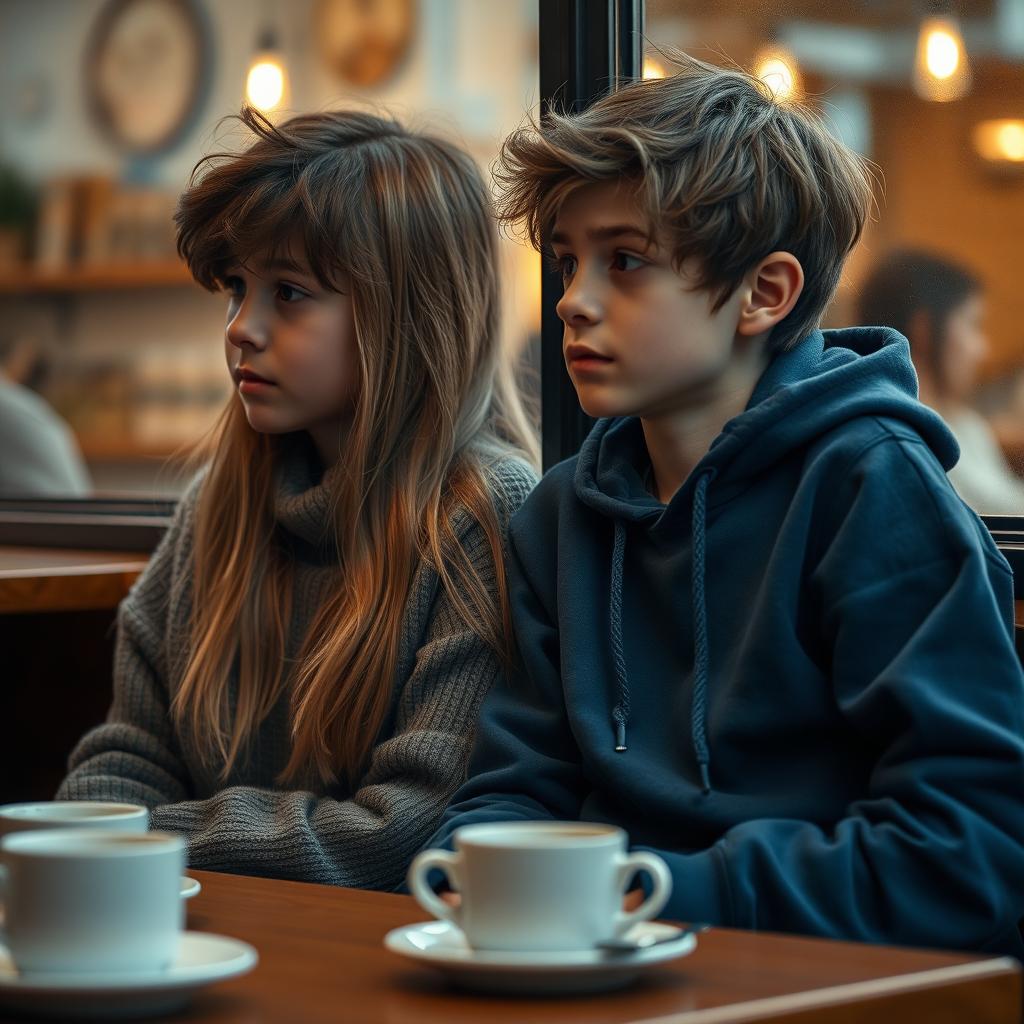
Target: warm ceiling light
{"points": [[653, 68], [941, 71], [777, 68], [264, 85], [1000, 142], [266, 81]]}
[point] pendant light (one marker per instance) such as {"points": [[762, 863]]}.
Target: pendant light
{"points": [[267, 81], [941, 69]]}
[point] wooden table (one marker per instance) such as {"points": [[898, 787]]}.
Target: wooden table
{"points": [[322, 960], [58, 579]]}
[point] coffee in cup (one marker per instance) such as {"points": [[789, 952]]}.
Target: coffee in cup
{"points": [[82, 900], [540, 886], [47, 814]]}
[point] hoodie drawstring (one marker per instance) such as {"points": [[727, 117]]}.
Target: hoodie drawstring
{"points": [[700, 632], [620, 713]]}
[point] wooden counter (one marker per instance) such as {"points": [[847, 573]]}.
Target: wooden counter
{"points": [[59, 580]]}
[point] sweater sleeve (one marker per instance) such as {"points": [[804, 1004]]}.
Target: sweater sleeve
{"points": [[134, 756], [368, 839], [917, 618]]}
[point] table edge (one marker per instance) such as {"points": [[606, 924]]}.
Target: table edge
{"points": [[758, 1009]]}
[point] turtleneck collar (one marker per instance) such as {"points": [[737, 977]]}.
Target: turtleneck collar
{"points": [[302, 495]]}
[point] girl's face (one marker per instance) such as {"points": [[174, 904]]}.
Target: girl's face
{"points": [[291, 351], [964, 347]]}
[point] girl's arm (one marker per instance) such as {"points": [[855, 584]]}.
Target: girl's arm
{"points": [[368, 839], [134, 755]]}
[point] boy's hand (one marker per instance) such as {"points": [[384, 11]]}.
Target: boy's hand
{"points": [[632, 899]]}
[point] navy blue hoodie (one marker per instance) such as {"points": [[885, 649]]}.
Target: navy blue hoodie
{"points": [[796, 681]]}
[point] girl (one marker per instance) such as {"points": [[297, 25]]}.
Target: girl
{"points": [[298, 671]]}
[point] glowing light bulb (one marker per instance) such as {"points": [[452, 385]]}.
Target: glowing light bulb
{"points": [[777, 68], [653, 68], [942, 53], [264, 86], [1000, 141], [941, 71]]}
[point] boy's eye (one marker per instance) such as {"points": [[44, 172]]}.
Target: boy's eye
{"points": [[564, 266], [627, 261]]}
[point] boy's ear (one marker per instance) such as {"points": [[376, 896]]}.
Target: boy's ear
{"points": [[770, 292]]}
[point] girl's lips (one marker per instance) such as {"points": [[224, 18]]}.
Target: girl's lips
{"points": [[254, 385]]}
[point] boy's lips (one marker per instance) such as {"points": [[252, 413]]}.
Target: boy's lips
{"points": [[583, 357]]}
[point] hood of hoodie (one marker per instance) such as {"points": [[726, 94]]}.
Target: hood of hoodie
{"points": [[826, 380]]}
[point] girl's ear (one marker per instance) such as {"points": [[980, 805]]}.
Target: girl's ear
{"points": [[771, 291]]}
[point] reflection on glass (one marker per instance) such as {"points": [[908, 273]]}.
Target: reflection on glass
{"points": [[939, 307], [949, 178], [88, 270]]}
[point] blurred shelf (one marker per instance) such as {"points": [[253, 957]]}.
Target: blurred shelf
{"points": [[114, 277], [106, 448]]}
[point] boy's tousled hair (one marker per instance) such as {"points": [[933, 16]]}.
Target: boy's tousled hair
{"points": [[403, 221], [728, 172]]}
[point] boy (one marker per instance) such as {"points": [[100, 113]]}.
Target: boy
{"points": [[757, 627]]}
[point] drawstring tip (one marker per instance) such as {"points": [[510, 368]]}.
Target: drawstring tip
{"points": [[620, 737], [705, 779]]}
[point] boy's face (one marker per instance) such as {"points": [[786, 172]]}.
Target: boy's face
{"points": [[639, 340], [291, 351]]}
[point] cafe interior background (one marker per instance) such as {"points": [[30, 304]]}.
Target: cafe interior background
{"points": [[106, 105]]}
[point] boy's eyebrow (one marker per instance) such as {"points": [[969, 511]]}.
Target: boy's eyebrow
{"points": [[603, 234]]}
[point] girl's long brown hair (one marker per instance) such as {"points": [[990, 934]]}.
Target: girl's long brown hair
{"points": [[403, 220]]}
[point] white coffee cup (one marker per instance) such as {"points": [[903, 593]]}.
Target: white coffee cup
{"points": [[118, 817], [539, 886], [81, 900]]}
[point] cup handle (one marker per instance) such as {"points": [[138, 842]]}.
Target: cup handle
{"points": [[448, 864], [661, 888]]}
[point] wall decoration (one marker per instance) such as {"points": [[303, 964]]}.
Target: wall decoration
{"points": [[364, 41], [145, 69]]}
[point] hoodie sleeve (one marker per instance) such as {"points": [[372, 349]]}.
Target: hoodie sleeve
{"points": [[916, 620], [526, 764]]}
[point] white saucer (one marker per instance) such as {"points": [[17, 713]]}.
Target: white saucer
{"points": [[442, 945], [203, 958]]}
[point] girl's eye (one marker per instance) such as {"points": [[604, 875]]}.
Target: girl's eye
{"points": [[289, 293], [234, 286], [627, 261]]}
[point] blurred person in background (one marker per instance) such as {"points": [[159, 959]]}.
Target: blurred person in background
{"points": [[940, 307], [39, 456]]}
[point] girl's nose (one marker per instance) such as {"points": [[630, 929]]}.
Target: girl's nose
{"points": [[246, 324], [579, 305]]}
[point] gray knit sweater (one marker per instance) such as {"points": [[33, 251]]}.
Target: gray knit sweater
{"points": [[249, 825]]}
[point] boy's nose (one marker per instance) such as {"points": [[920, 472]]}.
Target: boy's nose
{"points": [[579, 305], [246, 327]]}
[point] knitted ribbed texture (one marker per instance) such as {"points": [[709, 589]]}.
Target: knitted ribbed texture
{"points": [[249, 825]]}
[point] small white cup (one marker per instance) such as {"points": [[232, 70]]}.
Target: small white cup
{"points": [[117, 817], [87, 901], [539, 886]]}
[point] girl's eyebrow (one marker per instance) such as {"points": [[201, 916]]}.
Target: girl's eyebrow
{"points": [[603, 234], [288, 265]]}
